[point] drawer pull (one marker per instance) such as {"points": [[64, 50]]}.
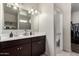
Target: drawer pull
{"points": [[18, 48], [21, 48]]}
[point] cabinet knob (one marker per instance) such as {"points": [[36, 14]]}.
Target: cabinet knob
{"points": [[18, 48], [21, 48]]}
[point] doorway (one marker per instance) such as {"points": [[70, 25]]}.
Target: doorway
{"points": [[58, 27], [75, 27]]}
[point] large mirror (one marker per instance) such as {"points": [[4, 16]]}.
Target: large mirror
{"points": [[24, 19], [10, 16], [15, 17]]}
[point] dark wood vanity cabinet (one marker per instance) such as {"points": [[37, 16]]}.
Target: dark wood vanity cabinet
{"points": [[16, 48], [34, 46], [38, 46], [21, 50]]}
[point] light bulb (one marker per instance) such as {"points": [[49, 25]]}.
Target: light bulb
{"points": [[36, 11], [14, 7], [32, 10], [29, 12]]}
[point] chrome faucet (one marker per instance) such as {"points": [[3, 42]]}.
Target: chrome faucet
{"points": [[25, 32]]}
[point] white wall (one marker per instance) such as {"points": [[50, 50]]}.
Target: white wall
{"points": [[66, 9], [1, 17], [75, 17], [35, 23], [46, 24], [57, 22]]}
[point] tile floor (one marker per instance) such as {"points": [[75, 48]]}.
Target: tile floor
{"points": [[67, 54], [64, 53]]}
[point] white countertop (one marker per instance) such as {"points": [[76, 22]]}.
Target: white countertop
{"points": [[20, 37]]}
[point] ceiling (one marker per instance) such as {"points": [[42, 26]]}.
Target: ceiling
{"points": [[75, 7], [29, 5]]}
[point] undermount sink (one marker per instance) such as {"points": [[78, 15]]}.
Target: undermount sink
{"points": [[23, 35], [20, 35]]}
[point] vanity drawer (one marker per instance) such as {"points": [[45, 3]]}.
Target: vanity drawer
{"points": [[38, 38]]}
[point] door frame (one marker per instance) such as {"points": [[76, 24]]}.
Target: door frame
{"points": [[61, 37], [61, 24]]}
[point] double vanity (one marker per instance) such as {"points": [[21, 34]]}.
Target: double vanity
{"points": [[32, 45], [17, 22]]}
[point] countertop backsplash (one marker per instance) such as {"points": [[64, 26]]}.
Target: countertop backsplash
{"points": [[6, 33]]}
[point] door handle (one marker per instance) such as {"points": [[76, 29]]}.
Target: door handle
{"points": [[18, 48]]}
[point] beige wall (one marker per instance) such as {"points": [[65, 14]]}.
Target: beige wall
{"points": [[46, 24], [35, 23], [66, 9], [1, 17]]}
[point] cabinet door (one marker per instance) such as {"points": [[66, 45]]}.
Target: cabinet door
{"points": [[25, 50], [20, 50], [9, 51], [38, 47]]}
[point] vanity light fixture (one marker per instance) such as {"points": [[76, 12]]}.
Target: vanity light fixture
{"points": [[16, 4], [14, 7], [9, 5], [29, 12], [32, 10], [23, 21]]}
